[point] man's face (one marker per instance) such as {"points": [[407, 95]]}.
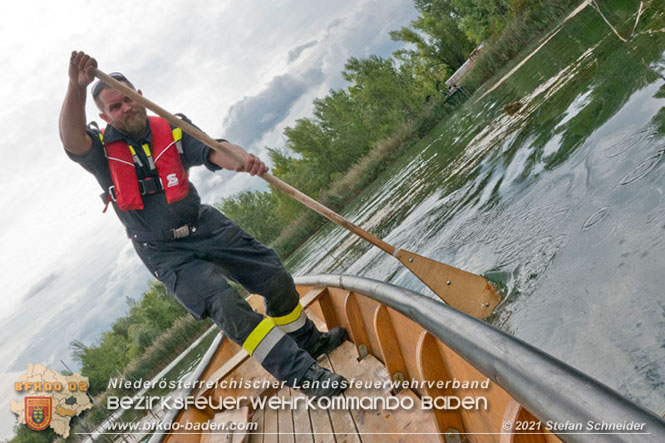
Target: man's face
{"points": [[123, 113]]}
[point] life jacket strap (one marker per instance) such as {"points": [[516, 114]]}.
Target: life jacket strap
{"points": [[149, 185]]}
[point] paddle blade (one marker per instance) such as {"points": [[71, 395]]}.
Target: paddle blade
{"points": [[460, 289]]}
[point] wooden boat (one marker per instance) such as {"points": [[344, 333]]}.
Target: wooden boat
{"points": [[513, 392]]}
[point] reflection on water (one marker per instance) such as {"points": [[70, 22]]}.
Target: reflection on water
{"points": [[563, 204]]}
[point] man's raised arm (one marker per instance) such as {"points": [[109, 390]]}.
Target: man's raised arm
{"points": [[72, 121]]}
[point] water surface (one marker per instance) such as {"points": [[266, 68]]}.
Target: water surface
{"points": [[563, 204]]}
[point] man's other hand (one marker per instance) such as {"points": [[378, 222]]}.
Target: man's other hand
{"points": [[253, 166]]}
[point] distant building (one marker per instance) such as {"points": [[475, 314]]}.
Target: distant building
{"points": [[454, 79]]}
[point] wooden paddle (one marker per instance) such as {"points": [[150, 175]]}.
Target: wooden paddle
{"points": [[460, 289]]}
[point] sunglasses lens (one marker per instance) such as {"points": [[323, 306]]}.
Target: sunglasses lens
{"points": [[97, 88]]}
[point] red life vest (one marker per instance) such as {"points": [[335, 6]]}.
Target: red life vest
{"points": [[166, 149]]}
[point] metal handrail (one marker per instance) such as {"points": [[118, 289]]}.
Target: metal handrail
{"points": [[549, 388], [168, 418], [160, 433]]}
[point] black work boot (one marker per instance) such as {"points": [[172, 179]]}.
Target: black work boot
{"points": [[327, 342], [320, 382]]}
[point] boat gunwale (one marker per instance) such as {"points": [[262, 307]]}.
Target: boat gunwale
{"points": [[549, 388]]}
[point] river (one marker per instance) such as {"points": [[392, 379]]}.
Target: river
{"points": [[562, 204]]}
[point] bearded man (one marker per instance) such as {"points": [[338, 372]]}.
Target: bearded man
{"points": [[142, 166]]}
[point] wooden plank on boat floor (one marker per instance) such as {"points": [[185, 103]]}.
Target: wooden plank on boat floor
{"points": [[246, 381], [301, 422], [342, 421], [285, 419], [256, 436], [218, 435], [395, 425], [270, 428], [321, 426]]}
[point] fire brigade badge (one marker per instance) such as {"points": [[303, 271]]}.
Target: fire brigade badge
{"points": [[38, 412], [50, 399]]}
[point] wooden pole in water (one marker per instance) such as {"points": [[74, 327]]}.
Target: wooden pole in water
{"points": [[460, 289]]}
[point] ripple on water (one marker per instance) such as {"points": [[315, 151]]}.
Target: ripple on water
{"points": [[596, 217], [643, 168], [539, 258], [509, 252], [622, 141]]}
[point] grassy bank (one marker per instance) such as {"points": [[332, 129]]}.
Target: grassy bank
{"points": [[523, 30], [524, 33]]}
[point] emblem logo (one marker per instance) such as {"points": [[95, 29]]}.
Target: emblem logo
{"points": [[38, 412], [173, 180]]}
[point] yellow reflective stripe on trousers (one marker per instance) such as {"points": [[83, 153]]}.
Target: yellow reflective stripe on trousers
{"points": [[262, 339], [292, 321]]}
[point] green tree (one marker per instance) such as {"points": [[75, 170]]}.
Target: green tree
{"points": [[300, 173], [346, 124], [440, 46], [334, 138], [103, 361], [387, 95], [157, 309], [481, 19], [27, 435], [255, 212]]}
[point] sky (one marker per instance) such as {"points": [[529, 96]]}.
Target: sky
{"points": [[240, 70]]}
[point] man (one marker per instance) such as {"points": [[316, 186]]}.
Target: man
{"points": [[141, 164]]}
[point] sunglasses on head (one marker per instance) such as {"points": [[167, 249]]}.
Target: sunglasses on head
{"points": [[100, 85]]}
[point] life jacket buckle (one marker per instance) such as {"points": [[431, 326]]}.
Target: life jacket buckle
{"points": [[112, 192], [150, 185]]}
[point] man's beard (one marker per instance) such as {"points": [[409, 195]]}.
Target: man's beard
{"points": [[135, 124]]}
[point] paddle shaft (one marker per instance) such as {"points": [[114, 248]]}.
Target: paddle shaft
{"points": [[214, 144]]}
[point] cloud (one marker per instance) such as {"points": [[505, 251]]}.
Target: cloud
{"points": [[335, 23], [252, 117], [42, 285], [295, 53], [81, 306]]}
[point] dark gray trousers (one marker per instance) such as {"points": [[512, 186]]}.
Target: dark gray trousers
{"points": [[194, 269]]}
